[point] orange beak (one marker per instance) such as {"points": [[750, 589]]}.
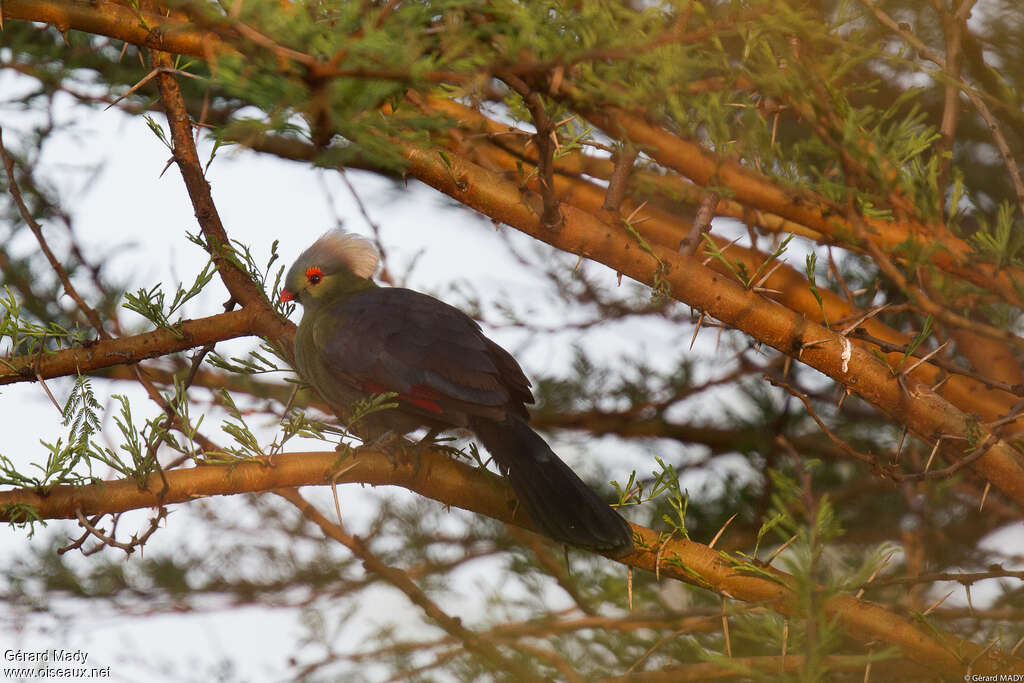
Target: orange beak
{"points": [[286, 295]]}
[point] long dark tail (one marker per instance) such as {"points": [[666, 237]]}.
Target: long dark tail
{"points": [[558, 501]]}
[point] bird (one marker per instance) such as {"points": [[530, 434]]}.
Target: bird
{"points": [[357, 340]]}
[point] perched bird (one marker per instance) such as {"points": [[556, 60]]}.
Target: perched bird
{"points": [[357, 339]]}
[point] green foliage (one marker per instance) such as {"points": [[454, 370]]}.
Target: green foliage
{"points": [[28, 337], [809, 527], [151, 303], [260, 274], [973, 431], [739, 269], [661, 288], [158, 131], [810, 271], [666, 482], [64, 458], [773, 257], [257, 362], [818, 95], [247, 444], [217, 144], [925, 332], [1000, 243], [139, 444], [628, 494], [766, 527], [296, 423], [10, 476], [20, 514], [916, 252], [373, 404], [81, 413]]}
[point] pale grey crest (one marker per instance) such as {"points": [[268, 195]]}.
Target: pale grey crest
{"points": [[355, 252]]}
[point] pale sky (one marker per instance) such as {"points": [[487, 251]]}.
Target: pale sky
{"points": [[261, 199]]}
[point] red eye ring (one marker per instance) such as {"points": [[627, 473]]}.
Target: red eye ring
{"points": [[314, 275]]}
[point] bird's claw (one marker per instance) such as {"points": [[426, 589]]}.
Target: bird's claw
{"points": [[399, 450], [394, 447]]}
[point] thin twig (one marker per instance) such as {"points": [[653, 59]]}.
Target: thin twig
{"points": [[12, 185], [884, 471], [701, 224], [131, 546], [618, 183], [546, 141], [946, 364], [400, 580]]}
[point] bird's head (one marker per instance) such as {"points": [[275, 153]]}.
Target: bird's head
{"points": [[337, 263]]}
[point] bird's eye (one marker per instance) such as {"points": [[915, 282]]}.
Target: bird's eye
{"points": [[314, 275]]}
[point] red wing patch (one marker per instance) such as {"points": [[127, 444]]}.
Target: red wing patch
{"points": [[374, 388], [424, 397], [421, 396]]}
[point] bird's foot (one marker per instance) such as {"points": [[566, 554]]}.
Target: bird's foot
{"points": [[400, 451], [415, 450], [427, 440], [394, 447], [430, 442]]}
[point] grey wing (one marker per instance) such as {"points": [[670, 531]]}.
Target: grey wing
{"points": [[433, 355]]}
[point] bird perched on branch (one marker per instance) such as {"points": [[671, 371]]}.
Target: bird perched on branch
{"points": [[357, 340]]}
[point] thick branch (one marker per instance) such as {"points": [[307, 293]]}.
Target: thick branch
{"points": [[688, 158], [755, 190], [237, 281], [119, 21], [439, 477], [125, 350], [924, 412]]}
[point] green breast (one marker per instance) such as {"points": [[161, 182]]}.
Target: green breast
{"points": [[310, 340]]}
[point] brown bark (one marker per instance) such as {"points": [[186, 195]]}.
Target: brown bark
{"points": [[452, 483], [106, 353], [924, 412], [910, 403], [786, 285], [147, 29], [755, 190]]}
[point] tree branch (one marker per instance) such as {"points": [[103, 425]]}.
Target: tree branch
{"points": [[924, 412], [147, 29], [545, 142], [400, 580], [126, 350], [37, 230], [755, 190], [238, 283], [456, 484]]}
